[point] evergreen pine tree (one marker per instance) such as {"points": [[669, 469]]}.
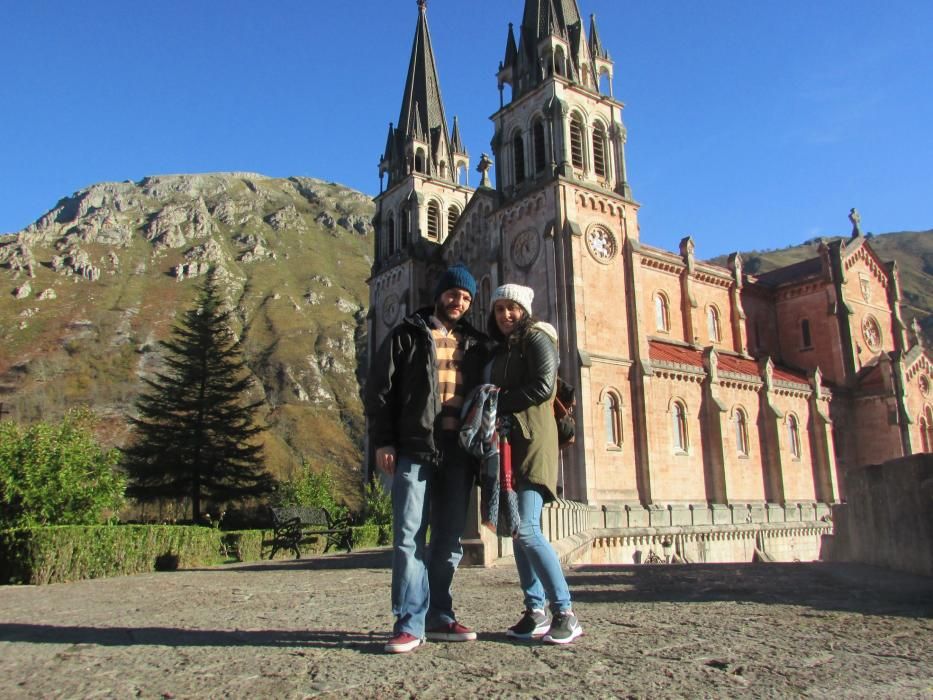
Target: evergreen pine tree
{"points": [[195, 434]]}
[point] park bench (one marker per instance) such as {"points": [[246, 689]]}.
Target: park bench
{"points": [[294, 525]]}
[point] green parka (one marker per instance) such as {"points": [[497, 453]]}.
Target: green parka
{"points": [[525, 369]]}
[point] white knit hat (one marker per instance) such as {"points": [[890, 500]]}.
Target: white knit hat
{"points": [[522, 296]]}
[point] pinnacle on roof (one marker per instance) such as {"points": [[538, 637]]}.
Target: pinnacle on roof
{"points": [[596, 44], [511, 49], [456, 143]]}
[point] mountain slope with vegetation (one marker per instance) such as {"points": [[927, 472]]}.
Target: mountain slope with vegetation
{"points": [[91, 287], [912, 250]]}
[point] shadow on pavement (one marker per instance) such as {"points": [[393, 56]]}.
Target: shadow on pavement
{"points": [[836, 587], [174, 637], [367, 559]]}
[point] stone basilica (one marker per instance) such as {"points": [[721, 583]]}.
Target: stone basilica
{"points": [[698, 386]]}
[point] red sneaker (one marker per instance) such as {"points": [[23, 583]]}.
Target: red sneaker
{"points": [[451, 632], [402, 643]]}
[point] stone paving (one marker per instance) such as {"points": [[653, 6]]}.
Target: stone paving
{"points": [[316, 628]]}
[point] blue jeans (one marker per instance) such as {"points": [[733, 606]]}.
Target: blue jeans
{"points": [[421, 579], [539, 569]]}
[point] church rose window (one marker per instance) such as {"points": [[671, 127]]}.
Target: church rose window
{"points": [[601, 244], [871, 332], [924, 383]]}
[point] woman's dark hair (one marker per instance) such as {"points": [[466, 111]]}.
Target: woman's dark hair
{"points": [[492, 328]]}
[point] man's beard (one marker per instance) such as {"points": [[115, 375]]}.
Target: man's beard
{"points": [[441, 312]]}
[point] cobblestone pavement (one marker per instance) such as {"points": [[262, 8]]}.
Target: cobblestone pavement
{"points": [[316, 628]]}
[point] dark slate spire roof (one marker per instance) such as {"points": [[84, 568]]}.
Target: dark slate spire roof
{"points": [[511, 49], [422, 115], [456, 143], [540, 13], [422, 88], [596, 44]]}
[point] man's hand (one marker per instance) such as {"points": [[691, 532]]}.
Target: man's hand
{"points": [[385, 459]]}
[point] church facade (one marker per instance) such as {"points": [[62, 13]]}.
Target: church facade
{"points": [[697, 384]]}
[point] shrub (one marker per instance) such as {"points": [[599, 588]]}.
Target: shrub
{"points": [[57, 474], [378, 510], [310, 488], [39, 555]]}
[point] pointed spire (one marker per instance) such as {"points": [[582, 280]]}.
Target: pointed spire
{"points": [[422, 87], [511, 49], [596, 44], [456, 143]]}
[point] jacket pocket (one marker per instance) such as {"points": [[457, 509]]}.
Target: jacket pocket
{"points": [[522, 421]]}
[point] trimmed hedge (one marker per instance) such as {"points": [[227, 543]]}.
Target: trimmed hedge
{"points": [[57, 554]]}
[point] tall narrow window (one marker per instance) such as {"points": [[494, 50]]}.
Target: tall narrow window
{"points": [[419, 162], [662, 319], [713, 326], [576, 142], [540, 153], [805, 333], [926, 430], [741, 432], [679, 417], [453, 216], [391, 235], [406, 226], [434, 220], [599, 150], [518, 154], [613, 420], [793, 436]]}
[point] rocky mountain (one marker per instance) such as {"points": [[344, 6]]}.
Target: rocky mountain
{"points": [[94, 284], [912, 250]]}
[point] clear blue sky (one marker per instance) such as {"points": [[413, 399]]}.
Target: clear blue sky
{"points": [[751, 124]]}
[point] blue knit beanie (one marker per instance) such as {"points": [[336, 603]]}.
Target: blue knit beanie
{"points": [[456, 276]]}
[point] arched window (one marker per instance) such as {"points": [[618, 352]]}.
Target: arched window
{"points": [[406, 226], [805, 337], [539, 145], [559, 62], [793, 436], [926, 430], [391, 234], [612, 417], [679, 427], [662, 316], [453, 216], [712, 324], [518, 153], [576, 142], [599, 150], [419, 161], [434, 220], [741, 432]]}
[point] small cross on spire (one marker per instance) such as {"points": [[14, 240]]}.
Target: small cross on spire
{"points": [[423, 5]]}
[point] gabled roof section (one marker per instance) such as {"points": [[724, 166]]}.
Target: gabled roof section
{"points": [[683, 356], [797, 272]]}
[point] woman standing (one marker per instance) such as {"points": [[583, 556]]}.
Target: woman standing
{"points": [[525, 368]]}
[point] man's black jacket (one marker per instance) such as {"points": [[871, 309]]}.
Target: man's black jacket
{"points": [[402, 397]]}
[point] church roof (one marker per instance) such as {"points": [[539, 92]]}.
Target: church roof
{"points": [[671, 353], [421, 102], [796, 272]]}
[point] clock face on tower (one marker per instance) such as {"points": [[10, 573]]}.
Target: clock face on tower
{"points": [[390, 309], [601, 244], [525, 248]]}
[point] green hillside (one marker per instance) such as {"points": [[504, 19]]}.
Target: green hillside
{"points": [[94, 284]]}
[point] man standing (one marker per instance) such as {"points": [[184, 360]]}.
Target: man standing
{"points": [[416, 388]]}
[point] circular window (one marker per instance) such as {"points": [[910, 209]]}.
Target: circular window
{"points": [[390, 309], [601, 244], [924, 382], [525, 248], [871, 332]]}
